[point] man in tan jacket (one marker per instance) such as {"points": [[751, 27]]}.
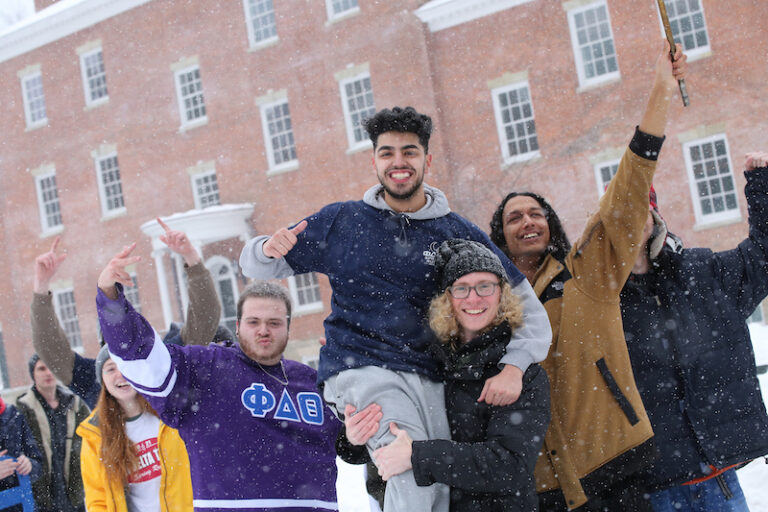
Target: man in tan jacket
{"points": [[77, 372], [599, 431]]}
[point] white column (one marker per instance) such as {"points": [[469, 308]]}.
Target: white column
{"points": [[162, 284], [178, 263]]}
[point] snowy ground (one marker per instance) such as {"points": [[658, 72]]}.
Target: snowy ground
{"points": [[753, 477]]}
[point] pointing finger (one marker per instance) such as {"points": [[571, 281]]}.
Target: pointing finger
{"points": [[163, 225], [298, 228]]}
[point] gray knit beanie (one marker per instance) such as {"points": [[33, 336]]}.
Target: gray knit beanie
{"points": [[456, 258], [100, 360]]}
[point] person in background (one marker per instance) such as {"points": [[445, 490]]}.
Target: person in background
{"points": [[600, 434], [131, 461], [19, 450], [684, 314], [53, 414], [77, 372], [489, 461]]}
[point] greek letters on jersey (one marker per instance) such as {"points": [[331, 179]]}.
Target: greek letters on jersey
{"points": [[261, 401], [149, 461]]}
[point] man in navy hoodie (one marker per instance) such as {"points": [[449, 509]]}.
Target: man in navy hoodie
{"points": [[379, 256]]}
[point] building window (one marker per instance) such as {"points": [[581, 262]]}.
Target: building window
{"points": [[94, 77], [132, 293], [189, 90], [226, 286], [686, 17], [260, 18], [357, 102], [711, 178], [757, 316], [48, 201], [305, 293], [110, 185], [206, 189], [604, 172], [338, 8], [278, 135], [64, 303], [34, 100], [515, 123], [4, 381], [593, 47]]}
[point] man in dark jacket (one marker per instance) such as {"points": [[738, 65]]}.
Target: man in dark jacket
{"points": [[684, 313], [53, 414], [18, 451]]}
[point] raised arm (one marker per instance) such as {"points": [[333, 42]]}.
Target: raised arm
{"points": [[204, 309], [48, 337]]}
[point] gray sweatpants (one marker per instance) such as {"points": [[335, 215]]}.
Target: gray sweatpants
{"points": [[417, 405]]}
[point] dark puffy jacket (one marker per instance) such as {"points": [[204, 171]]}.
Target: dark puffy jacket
{"points": [[17, 438], [490, 458], [692, 357]]}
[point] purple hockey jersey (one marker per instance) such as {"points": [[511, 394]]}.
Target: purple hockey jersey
{"points": [[253, 443]]}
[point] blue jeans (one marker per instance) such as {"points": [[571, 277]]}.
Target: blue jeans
{"points": [[706, 496]]}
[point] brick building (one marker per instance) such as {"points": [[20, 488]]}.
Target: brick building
{"points": [[231, 118]]}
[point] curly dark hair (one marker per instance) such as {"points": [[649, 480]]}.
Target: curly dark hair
{"points": [[558, 241], [403, 120]]}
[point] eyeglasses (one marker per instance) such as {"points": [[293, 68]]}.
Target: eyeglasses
{"points": [[482, 290]]}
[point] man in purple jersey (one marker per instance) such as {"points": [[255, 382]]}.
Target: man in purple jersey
{"points": [[258, 433]]}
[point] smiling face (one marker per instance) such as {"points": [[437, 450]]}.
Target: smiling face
{"points": [[116, 384], [401, 163], [526, 230], [475, 313], [263, 329], [43, 377]]}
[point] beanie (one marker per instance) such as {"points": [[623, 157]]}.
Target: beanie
{"points": [[456, 258], [32, 362], [100, 360]]}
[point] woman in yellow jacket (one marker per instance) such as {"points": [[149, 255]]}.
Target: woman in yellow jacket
{"points": [[130, 460]]}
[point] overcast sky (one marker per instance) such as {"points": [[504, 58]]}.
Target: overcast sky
{"points": [[14, 10]]}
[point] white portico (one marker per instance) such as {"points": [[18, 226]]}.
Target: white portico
{"points": [[202, 227]]}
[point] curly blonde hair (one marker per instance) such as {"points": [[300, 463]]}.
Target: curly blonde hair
{"points": [[446, 328]]}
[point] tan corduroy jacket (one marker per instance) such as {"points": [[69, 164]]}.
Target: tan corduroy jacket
{"points": [[597, 413]]}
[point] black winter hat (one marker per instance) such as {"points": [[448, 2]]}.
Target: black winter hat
{"points": [[32, 362], [456, 258]]}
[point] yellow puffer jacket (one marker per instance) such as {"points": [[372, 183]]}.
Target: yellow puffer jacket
{"points": [[102, 494], [598, 418]]}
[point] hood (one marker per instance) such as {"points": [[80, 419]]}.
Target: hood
{"points": [[437, 203]]}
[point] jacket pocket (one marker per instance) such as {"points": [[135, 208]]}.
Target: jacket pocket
{"points": [[622, 400]]}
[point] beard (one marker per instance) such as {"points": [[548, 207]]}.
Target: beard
{"points": [[407, 193]]}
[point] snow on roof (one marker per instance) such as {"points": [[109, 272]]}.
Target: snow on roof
{"points": [[59, 20]]}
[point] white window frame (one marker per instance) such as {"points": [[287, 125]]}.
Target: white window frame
{"points": [[299, 309], [105, 210], [501, 127], [88, 88], [4, 380], [274, 167], [186, 122], [610, 76], [725, 216], [132, 292], [214, 264], [692, 53], [29, 112], [364, 142], [253, 43], [196, 186], [333, 15], [70, 325], [598, 167], [47, 228]]}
